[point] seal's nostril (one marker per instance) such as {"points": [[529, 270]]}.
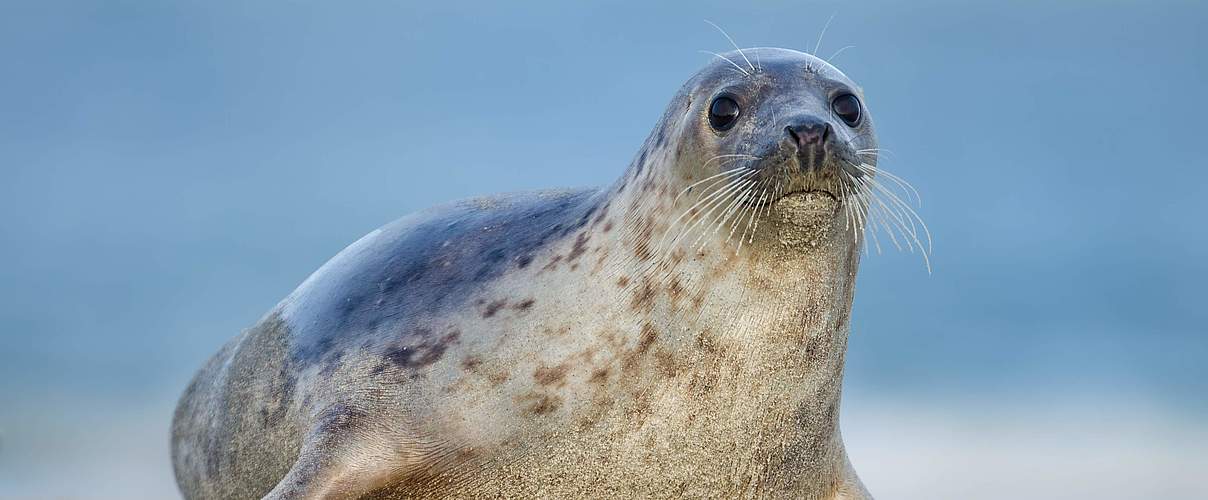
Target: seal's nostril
{"points": [[809, 132], [793, 135]]}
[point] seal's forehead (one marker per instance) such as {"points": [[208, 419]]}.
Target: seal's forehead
{"points": [[773, 63]]}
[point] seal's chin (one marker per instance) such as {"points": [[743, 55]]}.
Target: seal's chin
{"points": [[813, 207]]}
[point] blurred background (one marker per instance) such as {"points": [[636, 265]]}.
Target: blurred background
{"points": [[171, 170]]}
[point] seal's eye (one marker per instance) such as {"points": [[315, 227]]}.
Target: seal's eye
{"points": [[847, 106], [723, 113]]}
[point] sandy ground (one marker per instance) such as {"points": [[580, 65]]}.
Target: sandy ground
{"points": [[902, 451]]}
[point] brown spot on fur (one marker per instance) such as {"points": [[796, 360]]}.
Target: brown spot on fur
{"points": [[603, 212], [664, 362], [579, 248], [524, 305], [497, 378], [641, 247], [599, 375], [675, 289], [608, 226], [493, 308], [560, 331], [643, 298], [645, 339], [471, 363], [544, 404], [553, 263], [426, 352], [551, 375], [641, 408], [623, 281]]}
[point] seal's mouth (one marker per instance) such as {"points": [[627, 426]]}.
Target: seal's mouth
{"points": [[805, 194]]}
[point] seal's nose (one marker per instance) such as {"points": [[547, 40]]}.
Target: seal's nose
{"points": [[808, 133]]}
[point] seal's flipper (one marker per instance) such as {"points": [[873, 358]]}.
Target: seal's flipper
{"points": [[330, 466]]}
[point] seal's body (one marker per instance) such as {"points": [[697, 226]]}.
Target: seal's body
{"points": [[679, 333]]}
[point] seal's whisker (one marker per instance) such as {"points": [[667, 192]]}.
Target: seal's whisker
{"points": [[848, 221], [727, 202], [818, 44], [763, 195], [858, 213], [719, 221], [745, 207], [735, 212], [734, 155], [874, 188], [905, 186], [767, 210], [840, 51], [910, 211], [748, 208], [733, 171], [867, 222], [727, 59], [727, 35], [885, 218], [875, 170], [711, 201], [900, 214], [692, 213]]}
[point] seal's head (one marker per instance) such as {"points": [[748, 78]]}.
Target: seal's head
{"points": [[775, 135], [794, 119]]}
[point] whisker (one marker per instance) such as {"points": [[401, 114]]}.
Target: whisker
{"points": [[754, 213], [727, 35], [840, 51], [818, 45], [713, 207], [713, 200], [732, 171], [727, 59], [722, 217], [910, 211], [704, 200], [874, 171]]}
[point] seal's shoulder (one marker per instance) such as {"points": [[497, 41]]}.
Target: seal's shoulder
{"points": [[427, 261]]}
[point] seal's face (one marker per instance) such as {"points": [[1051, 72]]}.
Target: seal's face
{"points": [[786, 129]]}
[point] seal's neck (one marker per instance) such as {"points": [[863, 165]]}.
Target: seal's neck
{"points": [[757, 336]]}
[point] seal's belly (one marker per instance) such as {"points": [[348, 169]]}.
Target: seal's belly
{"points": [[693, 436]]}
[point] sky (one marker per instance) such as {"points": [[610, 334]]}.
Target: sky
{"points": [[170, 170]]}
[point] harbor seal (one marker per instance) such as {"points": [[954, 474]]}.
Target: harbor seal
{"points": [[681, 332]]}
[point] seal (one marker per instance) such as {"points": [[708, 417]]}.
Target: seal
{"points": [[681, 332]]}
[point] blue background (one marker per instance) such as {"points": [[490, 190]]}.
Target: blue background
{"points": [[170, 170]]}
